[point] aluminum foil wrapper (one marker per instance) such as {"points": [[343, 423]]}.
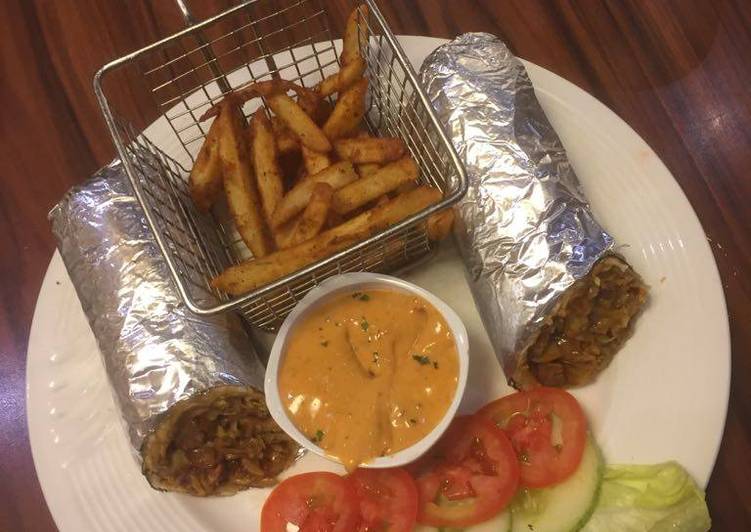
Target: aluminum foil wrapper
{"points": [[155, 351], [526, 232]]}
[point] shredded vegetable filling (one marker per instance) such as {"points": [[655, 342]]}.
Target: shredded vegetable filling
{"points": [[591, 324], [219, 444]]}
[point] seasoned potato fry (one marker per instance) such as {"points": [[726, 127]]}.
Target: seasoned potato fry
{"points": [[286, 142], [364, 170], [206, 176], [253, 274], [298, 122], [309, 102], [348, 111], [370, 150], [354, 34], [283, 234], [261, 89], [343, 79], [324, 111], [268, 173], [382, 200], [337, 175], [377, 184], [312, 219], [334, 219], [405, 187], [239, 187], [313, 161], [438, 225]]}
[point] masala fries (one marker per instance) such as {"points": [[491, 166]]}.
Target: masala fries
{"points": [[253, 274], [313, 161], [239, 186], [265, 163], [380, 182], [438, 225], [365, 169], [313, 218], [304, 179], [343, 79], [298, 122], [348, 112], [205, 181], [354, 33], [370, 149], [286, 142], [337, 175]]}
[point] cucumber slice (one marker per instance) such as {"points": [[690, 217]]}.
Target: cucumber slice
{"points": [[499, 523], [566, 506]]}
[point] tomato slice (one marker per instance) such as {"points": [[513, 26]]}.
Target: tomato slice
{"points": [[548, 430], [387, 498], [314, 502], [469, 476]]}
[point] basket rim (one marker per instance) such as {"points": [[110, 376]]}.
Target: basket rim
{"points": [[245, 299]]}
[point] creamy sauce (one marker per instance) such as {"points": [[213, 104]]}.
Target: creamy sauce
{"points": [[367, 374]]}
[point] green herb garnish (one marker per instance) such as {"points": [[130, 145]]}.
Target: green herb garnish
{"points": [[421, 359], [364, 324], [318, 437]]}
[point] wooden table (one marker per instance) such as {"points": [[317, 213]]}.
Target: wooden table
{"points": [[678, 71]]}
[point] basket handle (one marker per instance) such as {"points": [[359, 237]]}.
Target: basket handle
{"points": [[208, 55]]}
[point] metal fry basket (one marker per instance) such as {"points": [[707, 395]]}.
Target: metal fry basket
{"points": [[178, 78]]}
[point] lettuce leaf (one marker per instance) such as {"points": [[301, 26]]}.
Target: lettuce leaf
{"points": [[649, 498]]}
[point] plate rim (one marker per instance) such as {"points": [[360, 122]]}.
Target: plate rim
{"points": [[45, 477]]}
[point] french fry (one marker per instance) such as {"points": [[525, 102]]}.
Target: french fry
{"points": [[438, 225], [292, 115], [283, 234], [313, 161], [343, 79], [309, 102], [239, 187], [253, 274], [377, 184], [348, 111], [261, 88], [354, 33], [337, 175], [370, 150], [364, 170], [334, 219], [206, 176], [312, 219], [405, 187], [286, 142], [268, 173], [325, 108], [382, 200]]}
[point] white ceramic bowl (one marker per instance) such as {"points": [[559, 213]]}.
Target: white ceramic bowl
{"points": [[346, 283]]}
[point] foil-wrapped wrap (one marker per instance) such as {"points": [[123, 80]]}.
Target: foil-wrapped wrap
{"points": [[176, 377], [525, 229]]}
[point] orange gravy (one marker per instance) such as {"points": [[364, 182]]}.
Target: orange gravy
{"points": [[367, 374]]}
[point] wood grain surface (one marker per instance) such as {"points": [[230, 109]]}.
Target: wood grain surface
{"points": [[677, 71]]}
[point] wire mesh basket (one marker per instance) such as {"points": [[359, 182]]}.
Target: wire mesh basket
{"points": [[181, 76]]}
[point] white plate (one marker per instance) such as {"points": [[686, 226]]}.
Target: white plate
{"points": [[664, 396]]}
